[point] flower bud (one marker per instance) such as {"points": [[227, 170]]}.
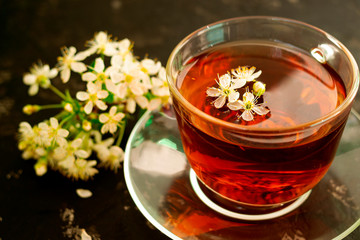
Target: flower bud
{"points": [[68, 107], [86, 125], [40, 168], [259, 88], [30, 109]]}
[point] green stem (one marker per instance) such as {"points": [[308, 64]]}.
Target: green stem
{"points": [[121, 133], [57, 92], [60, 115], [51, 106], [66, 119]]}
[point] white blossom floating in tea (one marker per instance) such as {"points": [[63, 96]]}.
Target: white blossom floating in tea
{"points": [[226, 91]]}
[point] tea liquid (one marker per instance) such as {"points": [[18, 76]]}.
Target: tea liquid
{"points": [[298, 90]]}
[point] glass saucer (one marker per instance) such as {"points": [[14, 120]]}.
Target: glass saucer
{"points": [[157, 176]]}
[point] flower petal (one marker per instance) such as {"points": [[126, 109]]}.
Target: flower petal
{"points": [[53, 72], [121, 90], [99, 65], [92, 87], [112, 128], [82, 96], [225, 80], [116, 61], [213, 92], [63, 132], [238, 83], [54, 123], [88, 107], [220, 101], [113, 110], [61, 141], [232, 97], [251, 71], [29, 79], [76, 143], [89, 76], [131, 105], [102, 94], [105, 128], [103, 118], [101, 105], [65, 75], [237, 105], [81, 55], [136, 88], [257, 74], [117, 77], [154, 104], [81, 153], [247, 115], [33, 90], [110, 85], [248, 97], [142, 101], [118, 117], [260, 110], [78, 67]]}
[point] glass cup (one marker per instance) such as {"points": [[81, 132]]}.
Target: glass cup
{"points": [[260, 168]]}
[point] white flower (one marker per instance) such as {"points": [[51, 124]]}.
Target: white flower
{"points": [[150, 66], [102, 44], [248, 104], [27, 133], [245, 74], [98, 75], [72, 148], [110, 156], [160, 86], [226, 90], [123, 54], [110, 120], [71, 61], [123, 47], [39, 75], [30, 141], [133, 77], [53, 133], [132, 100], [99, 143], [93, 96], [78, 168]]}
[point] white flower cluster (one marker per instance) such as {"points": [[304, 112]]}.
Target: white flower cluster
{"points": [[227, 91], [94, 121]]}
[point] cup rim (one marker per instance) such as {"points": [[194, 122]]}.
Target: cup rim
{"points": [[319, 121]]}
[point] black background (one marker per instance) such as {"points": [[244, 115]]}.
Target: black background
{"points": [[33, 207]]}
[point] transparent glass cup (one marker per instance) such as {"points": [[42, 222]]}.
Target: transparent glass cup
{"points": [[260, 168]]}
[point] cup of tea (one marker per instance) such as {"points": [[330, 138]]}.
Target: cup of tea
{"points": [[261, 104]]}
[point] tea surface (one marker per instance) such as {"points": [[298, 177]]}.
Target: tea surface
{"points": [[298, 88]]}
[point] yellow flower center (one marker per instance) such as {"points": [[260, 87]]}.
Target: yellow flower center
{"points": [[41, 79], [128, 78], [101, 77], [248, 105]]}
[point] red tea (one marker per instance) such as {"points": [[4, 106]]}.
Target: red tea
{"points": [[299, 90]]}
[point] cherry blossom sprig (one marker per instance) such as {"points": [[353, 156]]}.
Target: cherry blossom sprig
{"points": [[229, 83], [87, 132]]}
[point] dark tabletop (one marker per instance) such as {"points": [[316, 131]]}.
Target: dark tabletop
{"points": [[48, 207]]}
